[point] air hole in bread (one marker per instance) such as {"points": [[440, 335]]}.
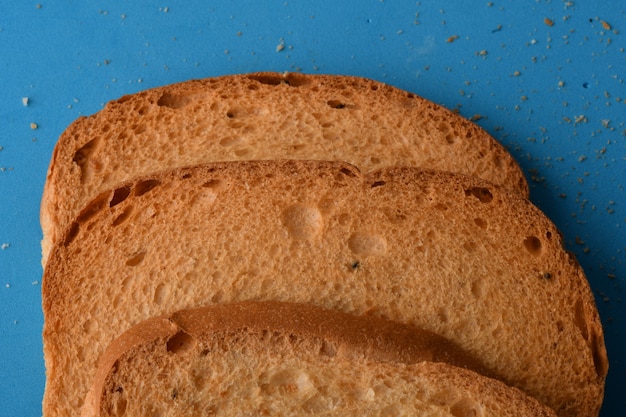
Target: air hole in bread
{"points": [[231, 141], [136, 259], [303, 222], [93, 207], [362, 243], [466, 407], [142, 110], [470, 246], [119, 403], [481, 193], [533, 245], [72, 232], [482, 223], [139, 129], [549, 234], [348, 172], [160, 293], [378, 184], [123, 216], [143, 187], [477, 288], [173, 101], [82, 156], [289, 381], [242, 152], [560, 326], [120, 195], [180, 342], [336, 104]]}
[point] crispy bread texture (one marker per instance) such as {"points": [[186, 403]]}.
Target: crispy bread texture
{"points": [[262, 116], [286, 359], [451, 254]]}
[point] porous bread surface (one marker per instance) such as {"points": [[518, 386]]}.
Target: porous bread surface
{"points": [[262, 116], [272, 358], [448, 253]]}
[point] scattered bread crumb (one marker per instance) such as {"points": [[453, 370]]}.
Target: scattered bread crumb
{"points": [[25, 101], [452, 38], [280, 46], [580, 119], [548, 21], [4, 246], [34, 125], [605, 25]]}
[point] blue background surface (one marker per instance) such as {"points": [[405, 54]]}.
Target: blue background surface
{"points": [[554, 94]]}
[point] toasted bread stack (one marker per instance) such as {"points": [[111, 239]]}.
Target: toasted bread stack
{"points": [[289, 244]]}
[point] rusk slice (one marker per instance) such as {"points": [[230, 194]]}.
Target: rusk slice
{"points": [[287, 359], [448, 253], [262, 116]]}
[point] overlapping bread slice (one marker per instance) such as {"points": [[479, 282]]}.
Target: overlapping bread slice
{"points": [[288, 359], [262, 116], [451, 254]]}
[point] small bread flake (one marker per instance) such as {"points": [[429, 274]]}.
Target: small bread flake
{"points": [[280, 46], [605, 25], [452, 38], [34, 125], [548, 21], [25, 101], [580, 119]]}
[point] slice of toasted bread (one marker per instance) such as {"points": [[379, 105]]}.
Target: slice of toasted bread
{"points": [[262, 116], [448, 253], [287, 359]]}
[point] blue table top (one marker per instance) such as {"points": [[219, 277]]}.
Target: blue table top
{"points": [[546, 78]]}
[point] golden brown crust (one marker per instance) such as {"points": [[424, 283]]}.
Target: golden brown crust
{"points": [[451, 254], [262, 116]]}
